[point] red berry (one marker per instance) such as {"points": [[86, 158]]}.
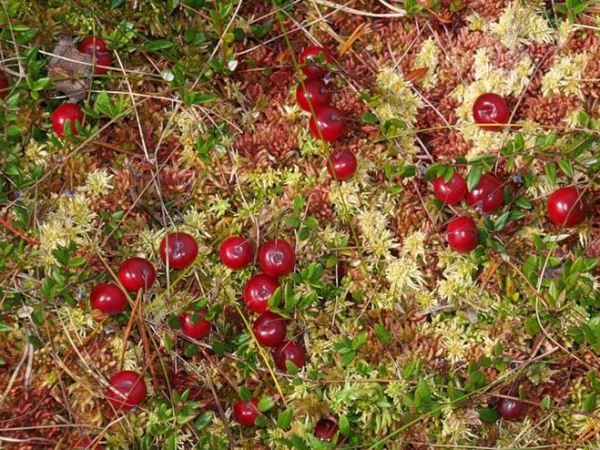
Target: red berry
{"points": [[487, 196], [325, 429], [289, 351], [269, 329], [491, 109], [91, 45], [258, 291], [3, 85], [136, 273], [312, 94], [246, 413], [195, 325], [566, 208], [108, 298], [511, 409], [462, 234], [67, 112], [342, 164], [102, 63], [327, 123], [236, 252], [314, 61], [127, 389], [451, 192], [178, 250], [276, 258]]}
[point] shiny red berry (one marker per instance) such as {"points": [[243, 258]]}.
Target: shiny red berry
{"points": [[314, 61], [566, 208], [136, 273], [289, 351], [102, 63], [327, 123], [276, 258], [451, 192], [246, 413], [127, 389], [3, 85], [341, 164], [258, 291], [195, 325], [487, 196], [325, 429], [178, 250], [91, 45], [491, 109], [462, 234], [511, 409], [269, 329], [67, 112], [108, 298], [236, 252], [312, 94]]}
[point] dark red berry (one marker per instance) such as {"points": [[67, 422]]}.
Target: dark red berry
{"points": [[269, 329], [195, 325], [246, 413], [327, 123], [3, 85], [325, 429], [312, 94], [258, 291], [67, 112], [342, 164], [178, 250], [487, 196], [289, 351], [491, 109], [108, 298], [136, 273], [127, 389], [236, 252], [511, 409], [91, 45], [566, 208], [462, 234], [102, 63], [314, 61], [451, 192], [276, 258]]}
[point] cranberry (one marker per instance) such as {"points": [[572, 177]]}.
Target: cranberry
{"points": [[342, 164], [136, 273], [511, 409], [3, 85], [178, 250], [108, 298], [325, 429], [462, 234], [195, 325], [127, 389], [258, 291], [246, 413], [276, 258], [314, 61], [91, 45], [487, 195], [289, 351], [67, 112], [312, 94], [327, 123], [451, 192], [566, 208], [491, 109], [236, 252], [102, 63], [269, 329]]}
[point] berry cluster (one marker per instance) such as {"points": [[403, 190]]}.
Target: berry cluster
{"points": [[326, 121]]}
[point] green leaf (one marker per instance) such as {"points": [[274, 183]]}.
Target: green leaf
{"points": [[523, 202], [382, 333], [4, 326], [501, 221], [370, 118], [546, 402], [285, 419], [259, 31], [550, 171], [265, 404], [565, 166], [203, 420], [348, 358], [160, 44], [589, 403], [244, 394], [474, 177], [344, 425], [488, 415], [291, 368]]}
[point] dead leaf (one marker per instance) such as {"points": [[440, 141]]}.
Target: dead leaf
{"points": [[66, 71], [416, 74]]}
